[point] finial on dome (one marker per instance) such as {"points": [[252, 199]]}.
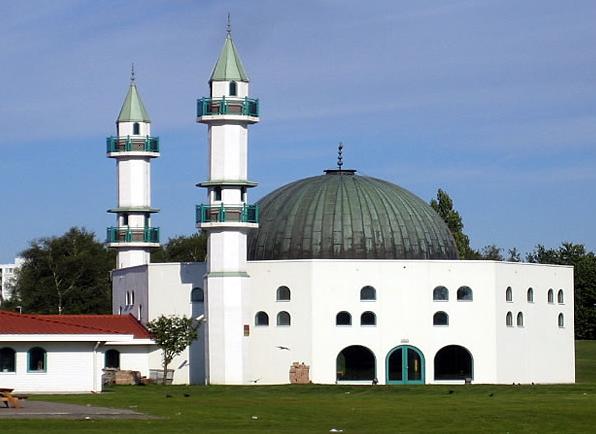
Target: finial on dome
{"points": [[340, 162], [229, 27], [340, 156], [132, 73]]}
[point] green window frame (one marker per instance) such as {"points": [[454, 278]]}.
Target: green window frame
{"points": [[37, 360]]}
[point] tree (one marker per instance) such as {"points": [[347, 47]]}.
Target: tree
{"points": [[491, 253], [443, 205], [173, 334], [66, 274], [182, 248]]}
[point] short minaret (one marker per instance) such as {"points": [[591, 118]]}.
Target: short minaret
{"points": [[227, 217], [133, 148]]}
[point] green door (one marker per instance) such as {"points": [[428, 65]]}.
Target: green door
{"points": [[405, 365]]}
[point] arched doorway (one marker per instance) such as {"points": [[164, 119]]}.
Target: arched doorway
{"points": [[405, 365], [453, 362], [355, 363]]}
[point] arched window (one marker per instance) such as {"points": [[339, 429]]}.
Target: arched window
{"points": [[464, 293], [368, 319], [520, 319], [368, 293], [261, 319], [560, 298], [233, 88], [136, 129], [36, 360], [283, 293], [355, 363], [283, 318], [440, 293], [343, 318], [112, 359], [7, 360], [132, 297], [509, 319], [453, 363], [197, 295], [530, 295], [127, 299], [551, 296], [509, 294], [441, 319], [561, 320]]}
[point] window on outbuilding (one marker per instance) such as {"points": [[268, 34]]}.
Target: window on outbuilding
{"points": [[560, 297], [136, 129], [7, 360], [261, 319], [233, 88], [343, 318], [283, 318], [551, 296], [520, 319], [368, 319], [441, 319], [283, 293], [368, 293], [509, 319], [530, 295], [37, 360], [464, 293], [112, 359], [197, 295], [561, 320], [440, 293], [509, 294]]}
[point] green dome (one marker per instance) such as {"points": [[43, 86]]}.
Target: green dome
{"points": [[341, 215]]}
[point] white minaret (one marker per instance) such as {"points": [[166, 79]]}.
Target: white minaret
{"points": [[133, 148], [227, 217]]}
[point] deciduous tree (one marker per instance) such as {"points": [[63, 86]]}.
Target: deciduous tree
{"points": [[182, 248]]}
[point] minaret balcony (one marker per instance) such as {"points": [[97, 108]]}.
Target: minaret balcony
{"points": [[245, 109], [227, 216], [126, 236], [132, 145]]}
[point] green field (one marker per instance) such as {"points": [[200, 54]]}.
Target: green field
{"points": [[317, 409]]}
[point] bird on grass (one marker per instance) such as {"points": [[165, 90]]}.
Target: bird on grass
{"points": [[491, 394], [450, 392]]}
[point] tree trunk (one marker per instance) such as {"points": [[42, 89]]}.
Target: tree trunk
{"points": [[165, 372]]}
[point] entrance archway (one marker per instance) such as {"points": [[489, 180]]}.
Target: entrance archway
{"points": [[355, 363], [453, 362], [405, 365]]}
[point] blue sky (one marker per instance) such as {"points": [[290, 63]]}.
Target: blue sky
{"points": [[493, 101]]}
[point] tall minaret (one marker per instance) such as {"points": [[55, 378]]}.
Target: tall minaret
{"points": [[227, 217], [133, 148]]}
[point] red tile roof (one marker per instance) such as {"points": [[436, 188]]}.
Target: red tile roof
{"points": [[14, 323]]}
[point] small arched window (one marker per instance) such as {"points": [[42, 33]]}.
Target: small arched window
{"points": [[520, 319], [561, 320], [261, 319], [368, 293], [509, 319], [440, 319], [464, 293], [36, 360], [440, 293], [112, 359], [136, 129], [551, 296], [509, 294], [7, 360], [283, 293], [530, 295], [283, 318], [560, 297], [343, 318], [132, 297], [197, 295], [368, 319], [233, 88]]}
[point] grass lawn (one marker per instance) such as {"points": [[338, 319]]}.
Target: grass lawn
{"points": [[317, 409]]}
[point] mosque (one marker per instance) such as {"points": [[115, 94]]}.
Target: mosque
{"points": [[334, 278]]}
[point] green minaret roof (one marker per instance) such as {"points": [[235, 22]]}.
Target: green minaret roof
{"points": [[229, 66], [133, 109]]}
